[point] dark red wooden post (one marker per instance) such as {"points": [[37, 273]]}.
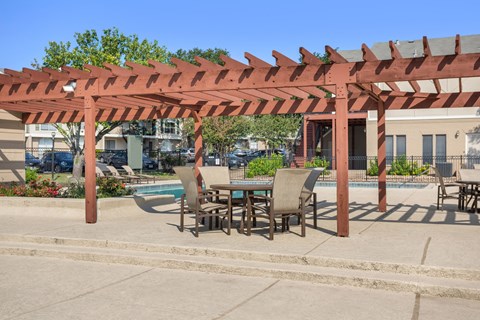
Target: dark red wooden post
{"points": [[341, 157], [305, 140], [382, 159], [198, 146], [334, 144], [90, 177]]}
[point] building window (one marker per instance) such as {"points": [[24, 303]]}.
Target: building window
{"points": [[47, 127], [401, 146], [427, 149], [109, 144], [441, 148], [389, 149], [169, 126]]}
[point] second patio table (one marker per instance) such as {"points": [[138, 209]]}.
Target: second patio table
{"points": [[247, 189]]}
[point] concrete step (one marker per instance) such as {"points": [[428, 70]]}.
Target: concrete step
{"points": [[441, 282]]}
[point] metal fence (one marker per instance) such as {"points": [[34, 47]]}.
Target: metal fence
{"points": [[361, 168]]}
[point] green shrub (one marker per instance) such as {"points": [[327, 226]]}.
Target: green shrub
{"points": [[73, 190], [264, 166], [318, 162], [112, 187], [31, 175], [373, 168], [402, 167], [399, 167], [171, 160]]}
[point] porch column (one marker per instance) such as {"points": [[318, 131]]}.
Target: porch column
{"points": [[382, 158], [305, 139], [90, 177], [334, 145], [341, 156], [198, 145], [314, 138]]}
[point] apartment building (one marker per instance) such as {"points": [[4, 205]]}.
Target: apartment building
{"points": [[12, 148], [164, 135]]}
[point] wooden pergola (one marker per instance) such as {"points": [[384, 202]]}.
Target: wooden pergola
{"points": [[139, 92]]}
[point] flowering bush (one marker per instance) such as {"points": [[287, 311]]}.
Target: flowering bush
{"points": [[112, 187], [34, 188], [107, 187]]}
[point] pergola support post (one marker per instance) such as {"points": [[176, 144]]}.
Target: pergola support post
{"points": [[305, 139], [198, 146], [334, 145], [382, 158], [341, 157], [90, 176]]}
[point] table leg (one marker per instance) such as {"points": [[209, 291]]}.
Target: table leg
{"points": [[244, 212]]}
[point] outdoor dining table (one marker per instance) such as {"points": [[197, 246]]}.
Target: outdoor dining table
{"points": [[247, 189], [470, 178]]}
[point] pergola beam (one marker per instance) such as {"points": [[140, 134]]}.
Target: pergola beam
{"points": [[427, 52]]}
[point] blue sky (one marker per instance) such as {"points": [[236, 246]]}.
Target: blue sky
{"points": [[257, 27]]}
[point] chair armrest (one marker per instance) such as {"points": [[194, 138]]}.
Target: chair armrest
{"points": [[207, 196], [306, 193], [259, 196]]}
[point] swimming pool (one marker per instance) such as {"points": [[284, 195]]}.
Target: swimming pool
{"points": [[177, 190]]}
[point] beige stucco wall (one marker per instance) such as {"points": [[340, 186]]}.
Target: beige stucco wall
{"points": [[454, 123], [12, 147]]}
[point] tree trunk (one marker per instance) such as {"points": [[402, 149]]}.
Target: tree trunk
{"points": [[77, 165]]}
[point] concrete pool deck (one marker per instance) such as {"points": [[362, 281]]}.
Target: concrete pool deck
{"points": [[410, 262]]}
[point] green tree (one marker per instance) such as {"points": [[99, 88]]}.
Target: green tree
{"points": [[111, 46], [221, 133], [276, 130], [212, 55]]}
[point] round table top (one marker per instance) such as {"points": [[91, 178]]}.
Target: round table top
{"points": [[243, 186]]}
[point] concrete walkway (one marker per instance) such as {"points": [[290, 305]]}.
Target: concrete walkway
{"points": [[412, 262]]}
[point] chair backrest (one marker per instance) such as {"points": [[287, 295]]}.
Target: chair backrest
{"points": [[189, 183], [287, 188], [113, 171], [99, 172], [129, 170], [311, 180], [476, 166], [440, 180], [215, 175]]}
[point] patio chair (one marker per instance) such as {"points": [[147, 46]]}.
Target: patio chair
{"points": [[443, 193], [141, 176], [286, 200], [114, 172], [218, 175], [309, 196], [99, 173], [200, 203]]}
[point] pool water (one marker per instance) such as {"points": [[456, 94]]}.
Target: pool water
{"points": [[177, 190]]}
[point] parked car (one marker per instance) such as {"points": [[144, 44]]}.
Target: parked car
{"points": [[63, 162], [212, 159], [232, 161], [239, 152], [31, 161], [188, 154], [148, 163], [235, 161], [120, 159]]}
